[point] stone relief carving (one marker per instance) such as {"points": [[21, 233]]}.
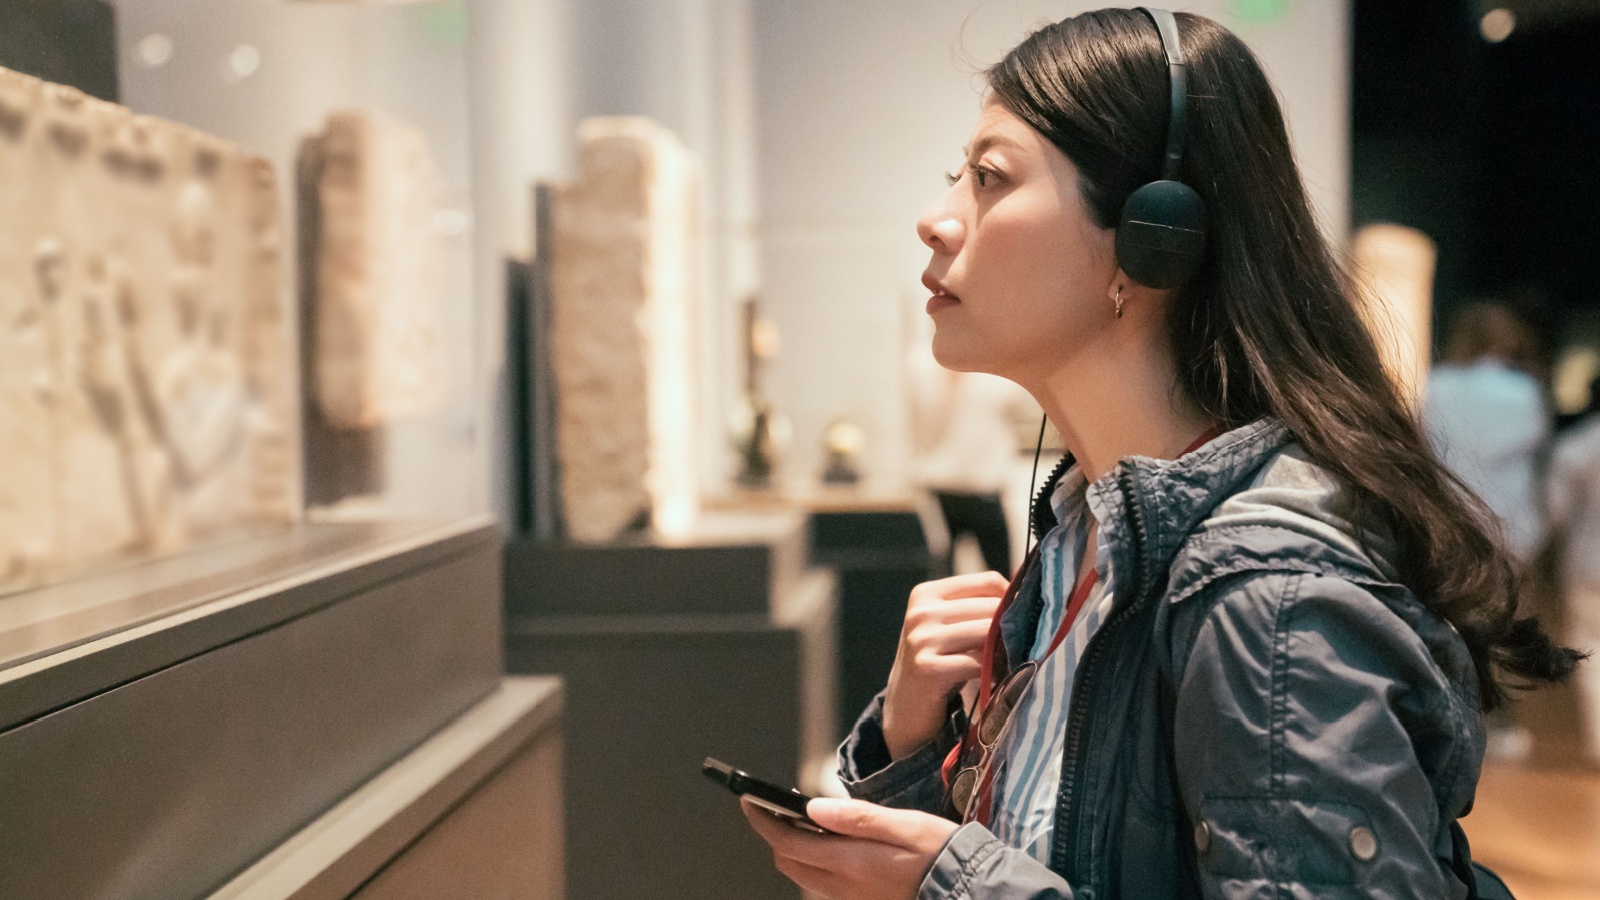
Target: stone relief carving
{"points": [[380, 350], [623, 308], [146, 385]]}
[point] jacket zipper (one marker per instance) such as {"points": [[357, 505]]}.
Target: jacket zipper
{"points": [[1078, 712]]}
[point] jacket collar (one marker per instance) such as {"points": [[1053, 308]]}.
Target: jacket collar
{"points": [[1148, 507]]}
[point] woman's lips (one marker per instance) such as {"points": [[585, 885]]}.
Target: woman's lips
{"points": [[941, 299]]}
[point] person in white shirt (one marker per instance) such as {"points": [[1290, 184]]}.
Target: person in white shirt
{"points": [[1485, 416]]}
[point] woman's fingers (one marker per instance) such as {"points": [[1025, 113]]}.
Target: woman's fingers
{"points": [[885, 855], [936, 613], [981, 584], [963, 610], [918, 832], [775, 831], [957, 637], [794, 851], [817, 881]]}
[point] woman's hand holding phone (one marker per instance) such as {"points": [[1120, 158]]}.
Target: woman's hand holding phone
{"points": [[873, 852], [941, 644]]}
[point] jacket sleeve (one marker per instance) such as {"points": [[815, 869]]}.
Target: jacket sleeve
{"points": [[1309, 715], [974, 864], [915, 782]]}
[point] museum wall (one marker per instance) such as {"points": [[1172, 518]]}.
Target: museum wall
{"points": [[520, 101], [863, 107]]}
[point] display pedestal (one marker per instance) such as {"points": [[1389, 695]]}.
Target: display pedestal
{"points": [[719, 646], [169, 724], [879, 549]]}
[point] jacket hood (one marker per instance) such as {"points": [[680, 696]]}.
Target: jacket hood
{"points": [[1255, 478], [1292, 492]]}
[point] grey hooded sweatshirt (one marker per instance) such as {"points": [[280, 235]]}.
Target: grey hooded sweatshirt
{"points": [[1266, 711]]}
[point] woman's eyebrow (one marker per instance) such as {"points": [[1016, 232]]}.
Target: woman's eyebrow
{"points": [[987, 141]]}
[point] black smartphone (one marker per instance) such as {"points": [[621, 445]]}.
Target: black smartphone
{"points": [[785, 803]]}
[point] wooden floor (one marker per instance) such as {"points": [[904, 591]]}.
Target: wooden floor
{"points": [[1537, 821]]}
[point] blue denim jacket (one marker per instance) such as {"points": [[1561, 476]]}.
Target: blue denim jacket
{"points": [[1265, 713]]}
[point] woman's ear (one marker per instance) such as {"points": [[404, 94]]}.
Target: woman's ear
{"points": [[1119, 284], [1126, 294]]}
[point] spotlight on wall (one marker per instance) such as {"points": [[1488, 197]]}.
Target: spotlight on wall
{"points": [[1497, 24], [241, 63], [155, 50]]}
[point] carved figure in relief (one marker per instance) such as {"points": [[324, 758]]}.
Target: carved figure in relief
{"points": [[199, 399], [192, 409], [106, 379], [145, 374]]}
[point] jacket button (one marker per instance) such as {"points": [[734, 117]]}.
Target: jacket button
{"points": [[1202, 837], [1363, 843]]}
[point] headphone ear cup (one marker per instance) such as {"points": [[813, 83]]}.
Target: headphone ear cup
{"points": [[1161, 239]]}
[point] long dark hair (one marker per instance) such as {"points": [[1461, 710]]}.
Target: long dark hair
{"points": [[1270, 324]]}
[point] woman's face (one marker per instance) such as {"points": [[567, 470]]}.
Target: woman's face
{"points": [[1021, 275]]}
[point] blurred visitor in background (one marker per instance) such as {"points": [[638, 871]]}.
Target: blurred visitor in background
{"points": [[1574, 507], [964, 436], [1485, 414]]}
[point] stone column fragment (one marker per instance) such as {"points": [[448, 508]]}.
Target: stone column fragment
{"points": [[380, 347], [624, 304]]}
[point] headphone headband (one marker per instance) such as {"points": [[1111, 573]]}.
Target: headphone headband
{"points": [[1161, 238], [1178, 78]]}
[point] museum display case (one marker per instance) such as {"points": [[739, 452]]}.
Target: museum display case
{"points": [[250, 593]]}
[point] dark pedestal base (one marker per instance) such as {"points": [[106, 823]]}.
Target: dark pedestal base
{"points": [[167, 725], [728, 652], [879, 555]]}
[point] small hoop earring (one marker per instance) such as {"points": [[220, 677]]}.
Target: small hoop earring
{"points": [[1119, 301]]}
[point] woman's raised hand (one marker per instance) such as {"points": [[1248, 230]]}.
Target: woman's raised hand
{"points": [[940, 646]]}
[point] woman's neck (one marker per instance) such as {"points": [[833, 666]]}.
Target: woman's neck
{"points": [[1119, 397]]}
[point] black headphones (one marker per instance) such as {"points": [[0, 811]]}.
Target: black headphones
{"points": [[1161, 239]]}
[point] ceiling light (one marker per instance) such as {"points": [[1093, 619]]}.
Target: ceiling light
{"points": [[1497, 24]]}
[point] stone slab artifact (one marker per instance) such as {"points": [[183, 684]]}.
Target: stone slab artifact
{"points": [[1394, 268], [146, 381], [379, 306], [622, 320]]}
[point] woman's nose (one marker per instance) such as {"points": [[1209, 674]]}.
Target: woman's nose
{"points": [[941, 230]]}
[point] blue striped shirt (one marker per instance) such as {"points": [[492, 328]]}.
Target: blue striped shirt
{"points": [[1029, 773]]}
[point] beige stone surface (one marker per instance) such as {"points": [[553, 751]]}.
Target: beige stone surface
{"points": [[146, 381], [623, 307], [380, 347], [1394, 267]]}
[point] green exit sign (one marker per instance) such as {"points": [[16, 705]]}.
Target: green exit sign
{"points": [[1259, 11], [445, 22]]}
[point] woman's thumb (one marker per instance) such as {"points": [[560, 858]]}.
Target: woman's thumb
{"points": [[859, 819]]}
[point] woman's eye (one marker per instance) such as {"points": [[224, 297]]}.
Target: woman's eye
{"points": [[980, 174]]}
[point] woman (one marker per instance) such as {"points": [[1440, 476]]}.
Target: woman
{"points": [[1262, 621]]}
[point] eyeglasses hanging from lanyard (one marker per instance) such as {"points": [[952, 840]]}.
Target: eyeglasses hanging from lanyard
{"points": [[969, 769]]}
